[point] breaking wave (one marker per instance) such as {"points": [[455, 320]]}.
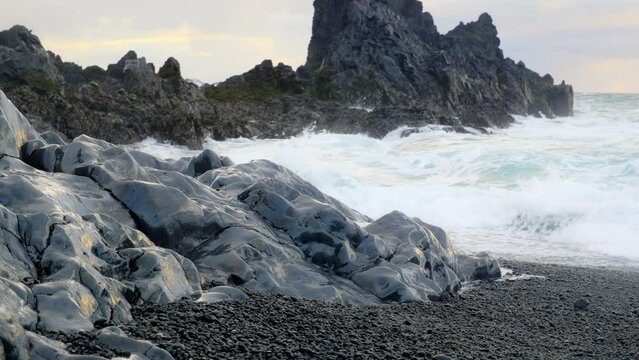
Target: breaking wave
{"points": [[553, 190]]}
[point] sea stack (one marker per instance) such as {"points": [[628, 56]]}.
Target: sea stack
{"points": [[390, 53]]}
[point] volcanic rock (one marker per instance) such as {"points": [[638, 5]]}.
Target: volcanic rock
{"points": [[386, 56], [99, 208], [89, 229]]}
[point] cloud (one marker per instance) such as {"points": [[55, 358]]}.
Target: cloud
{"points": [[183, 35]]}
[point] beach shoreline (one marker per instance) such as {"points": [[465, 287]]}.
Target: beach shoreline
{"points": [[536, 317]]}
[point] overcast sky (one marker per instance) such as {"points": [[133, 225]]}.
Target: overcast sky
{"points": [[592, 44]]}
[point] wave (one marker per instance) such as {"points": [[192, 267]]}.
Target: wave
{"points": [[543, 189]]}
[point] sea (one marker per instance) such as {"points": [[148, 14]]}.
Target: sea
{"points": [[562, 190]]}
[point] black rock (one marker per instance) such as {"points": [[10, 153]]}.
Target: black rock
{"points": [[582, 304], [382, 53], [254, 225], [170, 69]]}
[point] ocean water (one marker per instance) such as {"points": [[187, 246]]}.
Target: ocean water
{"points": [[549, 190]]}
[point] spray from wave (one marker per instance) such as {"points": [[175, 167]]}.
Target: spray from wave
{"points": [[552, 190]]}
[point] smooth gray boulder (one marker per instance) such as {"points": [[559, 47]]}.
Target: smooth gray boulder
{"points": [[117, 339], [42, 348], [89, 266], [234, 294], [161, 275], [18, 300], [15, 263], [53, 138], [327, 237], [233, 180], [478, 267], [213, 297], [65, 305]]}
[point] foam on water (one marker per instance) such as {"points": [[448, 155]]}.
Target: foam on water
{"points": [[562, 190]]}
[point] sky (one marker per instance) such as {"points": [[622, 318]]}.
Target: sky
{"points": [[592, 44]]}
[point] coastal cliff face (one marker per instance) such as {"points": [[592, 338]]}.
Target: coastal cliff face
{"points": [[389, 53], [384, 55]]}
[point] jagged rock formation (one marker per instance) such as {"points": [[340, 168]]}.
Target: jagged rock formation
{"points": [[380, 54], [88, 229], [389, 53], [126, 103]]}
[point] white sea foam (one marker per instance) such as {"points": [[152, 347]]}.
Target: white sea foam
{"points": [[558, 190]]}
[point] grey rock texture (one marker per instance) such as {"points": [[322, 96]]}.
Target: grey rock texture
{"points": [[386, 55], [12, 334], [70, 255], [89, 229]]}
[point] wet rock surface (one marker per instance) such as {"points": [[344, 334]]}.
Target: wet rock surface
{"points": [[532, 318], [372, 67], [89, 230]]}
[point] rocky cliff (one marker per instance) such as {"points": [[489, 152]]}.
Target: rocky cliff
{"points": [[385, 55], [389, 53], [89, 229]]}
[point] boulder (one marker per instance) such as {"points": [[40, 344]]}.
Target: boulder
{"points": [[221, 294], [81, 247], [118, 340], [244, 224]]}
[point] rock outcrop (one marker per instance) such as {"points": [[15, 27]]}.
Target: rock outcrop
{"points": [[262, 82], [89, 229], [389, 53], [383, 55], [125, 103]]}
